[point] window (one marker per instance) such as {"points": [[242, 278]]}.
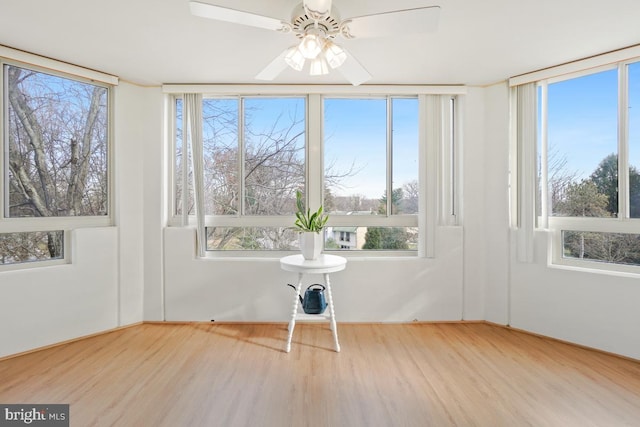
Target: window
{"points": [[589, 146], [56, 138], [23, 247], [371, 151], [254, 161], [617, 248], [358, 156], [583, 145], [55, 164]]}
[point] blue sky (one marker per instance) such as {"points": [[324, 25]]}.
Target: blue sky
{"points": [[355, 138], [583, 119]]}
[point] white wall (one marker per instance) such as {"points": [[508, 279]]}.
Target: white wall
{"points": [[130, 137], [496, 207], [473, 203], [368, 290], [102, 287], [43, 306], [154, 182], [118, 276], [597, 310]]}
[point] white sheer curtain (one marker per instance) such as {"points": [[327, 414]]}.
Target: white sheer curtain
{"points": [[433, 129], [192, 112], [526, 156], [439, 179]]}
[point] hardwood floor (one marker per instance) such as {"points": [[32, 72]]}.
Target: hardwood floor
{"points": [[386, 375]]}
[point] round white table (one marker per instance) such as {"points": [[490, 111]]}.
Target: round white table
{"points": [[324, 265]]}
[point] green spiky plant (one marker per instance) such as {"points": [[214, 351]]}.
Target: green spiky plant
{"points": [[307, 221]]}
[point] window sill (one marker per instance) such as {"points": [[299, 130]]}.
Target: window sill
{"points": [[276, 255], [33, 265], [594, 267]]}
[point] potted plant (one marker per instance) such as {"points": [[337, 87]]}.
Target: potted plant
{"points": [[310, 226]]}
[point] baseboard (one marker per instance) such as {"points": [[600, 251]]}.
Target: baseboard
{"points": [[561, 341], [193, 322], [276, 322], [83, 337]]}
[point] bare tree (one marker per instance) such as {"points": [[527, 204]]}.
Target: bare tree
{"points": [[411, 194], [271, 150], [560, 177], [57, 145], [616, 248]]}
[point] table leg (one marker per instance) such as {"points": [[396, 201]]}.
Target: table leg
{"points": [[334, 327], [294, 310]]}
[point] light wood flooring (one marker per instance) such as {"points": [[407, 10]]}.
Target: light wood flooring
{"points": [[461, 374]]}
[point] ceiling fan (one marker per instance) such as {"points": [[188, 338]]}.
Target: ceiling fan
{"points": [[316, 25]]}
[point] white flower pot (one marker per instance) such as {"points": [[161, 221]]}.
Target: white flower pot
{"points": [[311, 244]]}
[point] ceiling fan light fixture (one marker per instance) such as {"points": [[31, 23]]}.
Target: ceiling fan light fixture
{"points": [[311, 45], [334, 54], [315, 23], [294, 58], [318, 67]]}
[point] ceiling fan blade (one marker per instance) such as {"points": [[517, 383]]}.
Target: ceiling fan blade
{"points": [[409, 21], [353, 71], [206, 10], [274, 68]]}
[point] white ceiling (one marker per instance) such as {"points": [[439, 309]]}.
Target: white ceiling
{"points": [[151, 42]]}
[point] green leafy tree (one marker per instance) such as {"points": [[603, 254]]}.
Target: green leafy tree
{"points": [[584, 200], [605, 178], [634, 192], [386, 238], [397, 196], [331, 243], [598, 197], [373, 238]]}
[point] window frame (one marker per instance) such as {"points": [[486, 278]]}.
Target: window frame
{"points": [[388, 220], [66, 224], [65, 259], [556, 225], [430, 183]]}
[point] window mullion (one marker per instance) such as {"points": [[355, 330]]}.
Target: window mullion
{"points": [[623, 141], [389, 156], [241, 157], [453, 156], [4, 152], [544, 158], [447, 164], [185, 172]]}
